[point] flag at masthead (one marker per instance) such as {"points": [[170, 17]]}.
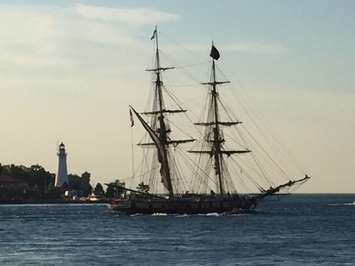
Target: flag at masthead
{"points": [[214, 53], [154, 33]]}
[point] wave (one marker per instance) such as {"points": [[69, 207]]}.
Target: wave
{"points": [[343, 204], [212, 214], [179, 215], [183, 215], [51, 204], [133, 215]]}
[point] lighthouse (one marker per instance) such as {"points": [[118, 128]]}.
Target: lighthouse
{"points": [[62, 175]]}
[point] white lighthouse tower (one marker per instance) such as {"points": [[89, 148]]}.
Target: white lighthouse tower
{"points": [[62, 175]]}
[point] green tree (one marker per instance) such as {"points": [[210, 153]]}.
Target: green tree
{"points": [[40, 178], [99, 190], [143, 187], [115, 189], [80, 183], [53, 192]]}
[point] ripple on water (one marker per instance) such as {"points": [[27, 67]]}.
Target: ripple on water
{"points": [[298, 230]]}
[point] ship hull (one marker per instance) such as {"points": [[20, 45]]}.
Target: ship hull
{"points": [[183, 205]]}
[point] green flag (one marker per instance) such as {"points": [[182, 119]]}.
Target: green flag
{"points": [[214, 53]]}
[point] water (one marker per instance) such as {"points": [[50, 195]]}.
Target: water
{"points": [[297, 230]]}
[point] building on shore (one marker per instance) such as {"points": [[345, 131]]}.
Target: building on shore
{"points": [[13, 184], [62, 175]]}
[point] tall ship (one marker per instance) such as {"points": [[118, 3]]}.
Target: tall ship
{"points": [[209, 185]]}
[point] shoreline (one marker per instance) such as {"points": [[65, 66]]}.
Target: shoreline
{"points": [[53, 202]]}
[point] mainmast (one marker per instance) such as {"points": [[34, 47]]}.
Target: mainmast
{"points": [[215, 137], [160, 134]]}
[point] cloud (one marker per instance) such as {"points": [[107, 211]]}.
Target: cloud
{"points": [[135, 16], [65, 37]]}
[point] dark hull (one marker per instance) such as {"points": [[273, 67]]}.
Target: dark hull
{"points": [[183, 205]]}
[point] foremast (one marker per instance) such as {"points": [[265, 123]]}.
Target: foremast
{"points": [[215, 137], [160, 133]]}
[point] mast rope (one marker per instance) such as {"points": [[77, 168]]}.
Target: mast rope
{"points": [[254, 139], [247, 175], [268, 155], [246, 108], [241, 180], [180, 105], [132, 152], [193, 163]]}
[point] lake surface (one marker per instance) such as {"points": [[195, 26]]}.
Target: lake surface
{"points": [[295, 230]]}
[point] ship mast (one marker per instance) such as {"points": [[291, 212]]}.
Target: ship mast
{"points": [[215, 137], [160, 134], [162, 127], [217, 141]]}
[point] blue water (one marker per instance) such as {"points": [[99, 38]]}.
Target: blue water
{"points": [[296, 230]]}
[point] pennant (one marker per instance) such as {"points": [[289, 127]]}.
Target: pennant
{"points": [[131, 117], [154, 33], [214, 53]]}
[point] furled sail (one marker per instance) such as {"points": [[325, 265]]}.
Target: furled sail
{"points": [[162, 154]]}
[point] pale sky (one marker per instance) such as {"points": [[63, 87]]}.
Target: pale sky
{"points": [[69, 70]]}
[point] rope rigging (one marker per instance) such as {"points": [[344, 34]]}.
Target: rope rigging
{"points": [[201, 179]]}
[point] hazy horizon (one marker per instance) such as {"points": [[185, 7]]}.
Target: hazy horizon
{"points": [[69, 70]]}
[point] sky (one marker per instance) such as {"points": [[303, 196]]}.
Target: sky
{"points": [[69, 70]]}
